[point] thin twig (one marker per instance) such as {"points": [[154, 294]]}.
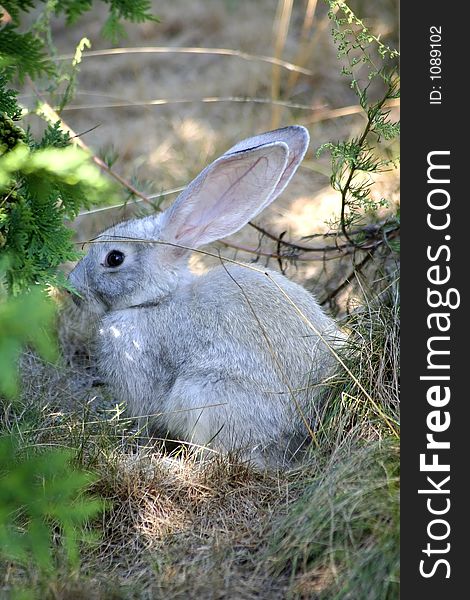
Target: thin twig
{"points": [[191, 50], [344, 111], [299, 247], [322, 113], [337, 247], [204, 100], [282, 21], [349, 278], [274, 255], [127, 204], [303, 54]]}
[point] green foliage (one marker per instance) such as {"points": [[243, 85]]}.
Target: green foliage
{"points": [[8, 98], [70, 76], [355, 161], [351, 35], [41, 184], [135, 11], [26, 319], [24, 51], [39, 493]]}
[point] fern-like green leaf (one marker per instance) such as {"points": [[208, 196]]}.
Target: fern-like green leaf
{"points": [[26, 52], [38, 493]]}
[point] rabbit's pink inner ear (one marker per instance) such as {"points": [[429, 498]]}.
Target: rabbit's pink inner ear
{"points": [[297, 139], [226, 195], [295, 156]]}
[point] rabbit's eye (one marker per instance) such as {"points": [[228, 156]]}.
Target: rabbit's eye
{"points": [[115, 258]]}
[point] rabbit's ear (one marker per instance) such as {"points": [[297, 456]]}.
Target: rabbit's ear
{"points": [[296, 137], [227, 194]]}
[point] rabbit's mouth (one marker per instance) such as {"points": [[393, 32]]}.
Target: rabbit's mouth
{"points": [[94, 305], [77, 300]]}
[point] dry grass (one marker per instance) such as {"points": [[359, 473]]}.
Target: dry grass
{"points": [[180, 528]]}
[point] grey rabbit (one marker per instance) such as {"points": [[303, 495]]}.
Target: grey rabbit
{"points": [[233, 359]]}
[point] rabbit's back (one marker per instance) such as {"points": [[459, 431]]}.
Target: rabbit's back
{"points": [[258, 309]]}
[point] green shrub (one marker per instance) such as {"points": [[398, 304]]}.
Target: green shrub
{"points": [[40, 492]]}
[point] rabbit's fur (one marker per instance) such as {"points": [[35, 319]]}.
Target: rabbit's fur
{"points": [[233, 358]]}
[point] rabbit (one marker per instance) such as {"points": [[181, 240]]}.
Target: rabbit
{"points": [[232, 359]]}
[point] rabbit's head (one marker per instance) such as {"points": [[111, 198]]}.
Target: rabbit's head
{"points": [[124, 267], [143, 260]]}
